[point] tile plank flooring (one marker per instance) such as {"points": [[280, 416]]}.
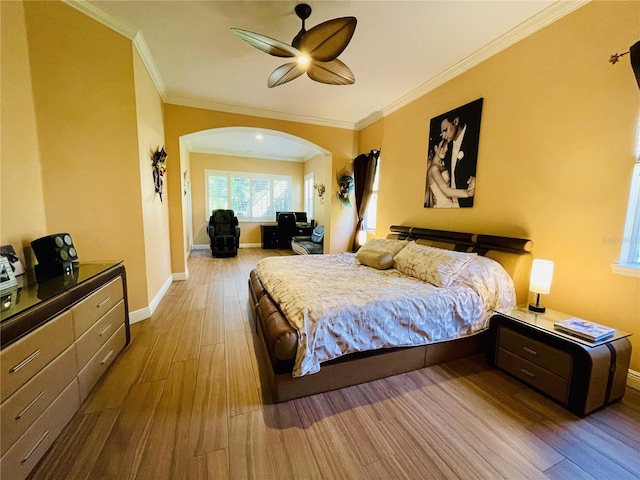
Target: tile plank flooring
{"points": [[185, 400]]}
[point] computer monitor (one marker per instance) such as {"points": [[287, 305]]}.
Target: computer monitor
{"points": [[301, 217]]}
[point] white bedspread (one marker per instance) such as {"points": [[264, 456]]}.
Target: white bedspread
{"points": [[339, 306]]}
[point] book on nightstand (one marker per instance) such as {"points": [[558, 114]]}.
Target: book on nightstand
{"points": [[584, 329]]}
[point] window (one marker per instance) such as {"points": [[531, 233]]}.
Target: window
{"points": [[629, 263], [372, 207], [308, 194], [254, 197]]}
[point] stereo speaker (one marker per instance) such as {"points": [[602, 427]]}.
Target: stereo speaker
{"points": [[55, 253]]}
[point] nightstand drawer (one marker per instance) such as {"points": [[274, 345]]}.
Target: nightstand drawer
{"points": [[540, 378], [549, 358]]}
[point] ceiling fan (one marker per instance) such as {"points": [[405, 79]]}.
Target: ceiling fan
{"points": [[315, 50]]}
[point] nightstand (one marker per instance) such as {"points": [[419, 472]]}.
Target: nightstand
{"points": [[580, 374]]}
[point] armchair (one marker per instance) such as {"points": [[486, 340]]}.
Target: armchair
{"points": [[224, 233]]}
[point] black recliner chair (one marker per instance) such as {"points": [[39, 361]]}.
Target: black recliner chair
{"points": [[224, 233]]}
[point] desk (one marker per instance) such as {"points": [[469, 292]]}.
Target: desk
{"points": [[269, 233]]}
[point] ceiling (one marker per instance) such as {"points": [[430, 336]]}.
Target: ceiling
{"points": [[400, 50]]}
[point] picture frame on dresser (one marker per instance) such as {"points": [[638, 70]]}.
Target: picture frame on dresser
{"points": [[7, 277], [16, 265]]}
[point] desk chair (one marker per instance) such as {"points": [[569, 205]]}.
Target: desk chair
{"points": [[286, 229]]}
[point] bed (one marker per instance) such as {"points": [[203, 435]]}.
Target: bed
{"points": [[417, 298]]}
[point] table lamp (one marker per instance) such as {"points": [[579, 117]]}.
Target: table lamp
{"points": [[540, 282]]}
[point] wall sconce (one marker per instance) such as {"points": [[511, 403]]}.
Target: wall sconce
{"points": [[540, 282]]}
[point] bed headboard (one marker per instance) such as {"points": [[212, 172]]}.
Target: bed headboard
{"points": [[514, 254]]}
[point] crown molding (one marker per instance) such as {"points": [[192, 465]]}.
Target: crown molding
{"points": [[127, 30], [546, 17], [256, 112], [554, 12]]}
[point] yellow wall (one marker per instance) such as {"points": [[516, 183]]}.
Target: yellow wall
{"points": [[155, 218], [320, 166], [557, 146], [84, 97], [79, 115], [249, 231], [22, 213], [180, 120]]}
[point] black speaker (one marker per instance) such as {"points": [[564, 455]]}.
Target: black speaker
{"points": [[55, 253]]}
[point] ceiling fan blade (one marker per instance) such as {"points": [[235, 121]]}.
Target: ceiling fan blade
{"points": [[326, 41], [285, 73], [267, 44], [334, 72]]}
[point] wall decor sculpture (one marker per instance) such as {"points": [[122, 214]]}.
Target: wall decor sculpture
{"points": [[321, 191], [452, 157], [159, 169], [345, 186]]}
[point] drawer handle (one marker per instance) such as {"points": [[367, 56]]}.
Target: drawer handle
{"points": [[106, 358], [28, 407], [530, 352], [527, 373], [33, 449], [106, 300], [25, 361], [105, 330]]}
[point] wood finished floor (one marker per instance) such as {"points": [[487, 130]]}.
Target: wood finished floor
{"points": [[184, 401]]}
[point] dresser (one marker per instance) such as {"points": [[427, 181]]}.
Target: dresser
{"points": [[581, 375], [58, 336]]}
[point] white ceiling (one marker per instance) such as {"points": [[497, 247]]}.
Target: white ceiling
{"points": [[400, 50]]}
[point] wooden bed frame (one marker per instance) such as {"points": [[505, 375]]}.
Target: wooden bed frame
{"points": [[279, 339]]}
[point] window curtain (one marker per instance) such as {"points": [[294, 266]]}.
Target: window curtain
{"points": [[364, 169]]}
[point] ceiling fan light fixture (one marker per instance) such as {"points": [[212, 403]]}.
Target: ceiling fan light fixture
{"points": [[315, 50], [304, 59]]}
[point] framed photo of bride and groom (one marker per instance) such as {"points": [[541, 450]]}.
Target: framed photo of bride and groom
{"points": [[452, 157]]}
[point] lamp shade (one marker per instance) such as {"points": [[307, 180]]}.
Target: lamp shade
{"points": [[541, 276]]}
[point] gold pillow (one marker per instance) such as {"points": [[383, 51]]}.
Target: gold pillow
{"points": [[371, 258], [390, 245]]}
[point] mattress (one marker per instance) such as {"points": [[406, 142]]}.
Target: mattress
{"points": [[339, 306]]}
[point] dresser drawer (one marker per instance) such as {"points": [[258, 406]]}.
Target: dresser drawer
{"points": [[547, 357], [21, 360], [544, 380], [27, 451], [96, 367], [89, 343], [21, 409], [89, 310]]}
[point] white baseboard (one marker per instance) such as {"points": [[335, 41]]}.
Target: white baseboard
{"points": [[146, 312], [633, 379], [180, 277], [242, 245]]}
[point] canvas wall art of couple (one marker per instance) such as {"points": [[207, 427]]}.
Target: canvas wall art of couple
{"points": [[452, 157]]}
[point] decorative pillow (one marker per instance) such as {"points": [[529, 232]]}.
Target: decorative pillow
{"points": [[379, 260], [429, 264], [317, 234], [491, 282], [390, 245]]}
